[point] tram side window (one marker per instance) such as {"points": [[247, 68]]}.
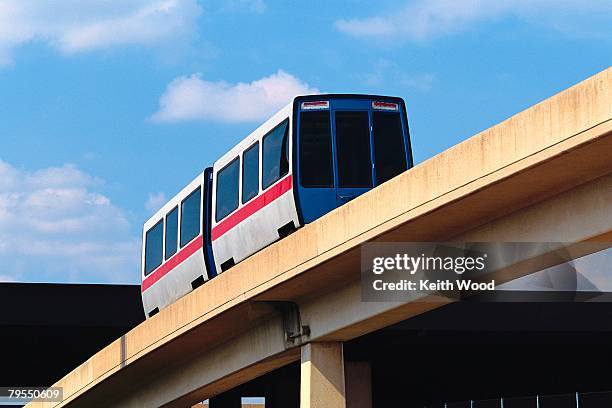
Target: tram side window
{"points": [[171, 232], [154, 247], [191, 217], [353, 149], [227, 190], [389, 147], [315, 150], [250, 173], [275, 154]]}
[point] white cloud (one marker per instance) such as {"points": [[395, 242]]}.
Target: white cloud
{"points": [[422, 20], [7, 278], [73, 26], [256, 6], [155, 201], [387, 71], [193, 98], [54, 226], [421, 82]]}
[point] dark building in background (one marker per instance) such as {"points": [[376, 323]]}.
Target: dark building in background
{"points": [[46, 330]]}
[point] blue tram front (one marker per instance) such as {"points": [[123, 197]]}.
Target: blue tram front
{"points": [[346, 145]]}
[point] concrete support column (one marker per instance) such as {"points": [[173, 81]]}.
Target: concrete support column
{"points": [[322, 376]]}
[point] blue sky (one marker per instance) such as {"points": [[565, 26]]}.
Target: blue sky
{"points": [[108, 107]]}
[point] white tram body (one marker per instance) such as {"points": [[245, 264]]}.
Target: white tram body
{"points": [[256, 222], [181, 265]]}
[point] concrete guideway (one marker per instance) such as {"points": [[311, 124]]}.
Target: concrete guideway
{"points": [[544, 174]]}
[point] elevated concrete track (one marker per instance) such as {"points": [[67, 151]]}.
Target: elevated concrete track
{"points": [[544, 174]]}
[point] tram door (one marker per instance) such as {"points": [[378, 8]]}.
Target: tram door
{"points": [[370, 148], [345, 149], [353, 154]]}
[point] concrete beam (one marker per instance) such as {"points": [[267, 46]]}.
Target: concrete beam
{"points": [[212, 372], [322, 376], [579, 215]]}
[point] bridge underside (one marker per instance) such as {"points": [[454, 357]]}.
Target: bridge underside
{"points": [[464, 351]]}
